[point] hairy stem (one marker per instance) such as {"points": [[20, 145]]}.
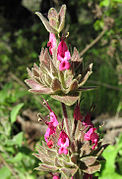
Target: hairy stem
{"points": [[65, 119]]}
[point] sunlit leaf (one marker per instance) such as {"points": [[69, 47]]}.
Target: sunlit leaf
{"points": [[15, 111], [17, 139], [5, 173]]}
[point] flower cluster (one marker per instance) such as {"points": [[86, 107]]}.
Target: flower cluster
{"points": [[60, 73], [90, 135], [72, 147], [63, 140], [63, 54], [52, 42], [51, 128]]}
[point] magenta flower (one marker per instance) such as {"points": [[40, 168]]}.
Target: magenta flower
{"points": [[63, 150], [63, 142], [52, 42], [51, 125], [77, 113], [91, 135], [56, 177], [94, 139], [63, 52], [87, 122], [50, 130], [50, 144], [53, 119], [64, 65]]}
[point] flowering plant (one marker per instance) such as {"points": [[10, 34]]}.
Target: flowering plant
{"points": [[72, 146]]}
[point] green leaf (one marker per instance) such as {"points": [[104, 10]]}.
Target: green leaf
{"points": [[15, 111], [4, 94], [16, 159], [5, 173], [104, 3], [119, 1], [17, 139], [110, 154]]}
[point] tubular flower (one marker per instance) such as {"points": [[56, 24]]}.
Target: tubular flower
{"points": [[53, 119], [50, 130], [64, 65], [63, 55], [52, 42], [63, 142], [56, 177], [87, 122], [50, 144], [92, 136], [51, 126], [63, 52]]}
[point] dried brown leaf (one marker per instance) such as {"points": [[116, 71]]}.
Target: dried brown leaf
{"points": [[56, 85], [93, 168], [89, 160]]}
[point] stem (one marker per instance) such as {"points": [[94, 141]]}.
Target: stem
{"points": [[93, 42], [65, 119]]}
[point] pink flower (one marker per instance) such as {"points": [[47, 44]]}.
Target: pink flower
{"points": [[63, 150], [64, 65], [87, 122], [52, 42], [50, 144], [63, 52], [53, 119], [56, 177], [77, 113], [50, 130], [94, 139], [91, 135], [63, 142], [51, 126], [63, 139]]}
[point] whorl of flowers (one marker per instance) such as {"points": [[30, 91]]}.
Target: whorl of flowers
{"points": [[57, 72], [72, 147], [67, 152]]}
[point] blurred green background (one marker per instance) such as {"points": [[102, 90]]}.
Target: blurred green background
{"points": [[22, 35]]}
